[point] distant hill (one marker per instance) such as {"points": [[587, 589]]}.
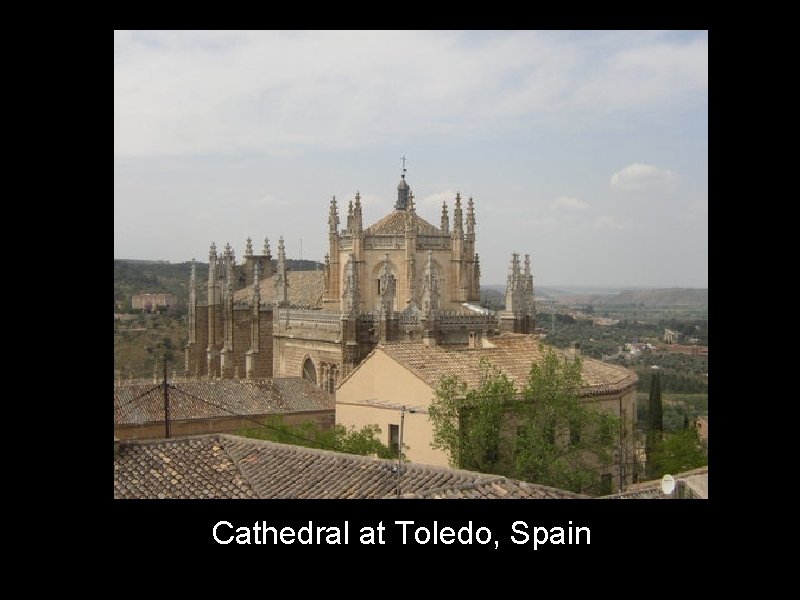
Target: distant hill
{"points": [[132, 276], [494, 295], [648, 297]]}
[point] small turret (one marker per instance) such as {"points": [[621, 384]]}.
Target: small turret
{"points": [[333, 217], [458, 219], [445, 227], [281, 281]]}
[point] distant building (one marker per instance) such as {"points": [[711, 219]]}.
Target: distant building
{"points": [[149, 302], [217, 406], [702, 427], [671, 337], [415, 371], [231, 467]]}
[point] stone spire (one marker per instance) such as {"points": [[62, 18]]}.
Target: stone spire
{"points": [[514, 287], [470, 219], [350, 216], [281, 281], [228, 260], [248, 248], [192, 304], [257, 285], [266, 250], [251, 356], [402, 193], [333, 217], [529, 302], [212, 254], [358, 224], [477, 268], [430, 287], [411, 206], [458, 220], [350, 296], [445, 228]]}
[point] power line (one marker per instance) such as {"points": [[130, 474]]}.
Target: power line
{"points": [[142, 395], [299, 437]]}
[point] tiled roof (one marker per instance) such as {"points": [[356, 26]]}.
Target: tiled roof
{"points": [[225, 466], [305, 289], [501, 488], [513, 354], [240, 396], [395, 224], [188, 468]]}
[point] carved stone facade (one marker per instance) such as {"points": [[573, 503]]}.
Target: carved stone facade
{"points": [[399, 279]]}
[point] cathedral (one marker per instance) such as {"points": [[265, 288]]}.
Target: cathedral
{"points": [[401, 278]]}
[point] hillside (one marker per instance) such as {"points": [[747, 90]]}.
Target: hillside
{"points": [[650, 297], [134, 276]]}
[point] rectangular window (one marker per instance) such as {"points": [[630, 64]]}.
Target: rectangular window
{"points": [[394, 437]]}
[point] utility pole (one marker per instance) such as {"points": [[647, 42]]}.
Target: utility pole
{"points": [[400, 447], [166, 399]]}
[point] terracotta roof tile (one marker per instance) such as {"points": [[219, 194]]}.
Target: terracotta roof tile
{"points": [[225, 466], [280, 395], [305, 289], [513, 354], [395, 224]]}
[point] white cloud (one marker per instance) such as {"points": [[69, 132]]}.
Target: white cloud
{"points": [[280, 93], [543, 222], [606, 222], [639, 176], [435, 201], [566, 203], [267, 200]]}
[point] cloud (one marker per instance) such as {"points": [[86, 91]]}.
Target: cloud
{"points": [[639, 176], [283, 93], [606, 222], [267, 200], [570, 204], [435, 201], [543, 222]]}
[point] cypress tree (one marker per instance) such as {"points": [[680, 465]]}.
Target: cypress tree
{"points": [[655, 422]]}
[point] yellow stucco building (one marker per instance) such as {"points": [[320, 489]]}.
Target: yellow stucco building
{"points": [[399, 374]]}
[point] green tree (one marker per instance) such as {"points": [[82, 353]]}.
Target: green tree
{"points": [[363, 441], [545, 434], [676, 452], [655, 421], [561, 441], [467, 423]]}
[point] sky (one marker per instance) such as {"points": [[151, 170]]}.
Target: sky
{"points": [[587, 150]]}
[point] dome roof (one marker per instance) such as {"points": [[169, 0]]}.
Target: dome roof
{"points": [[395, 224]]}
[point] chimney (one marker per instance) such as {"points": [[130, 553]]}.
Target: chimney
{"points": [[472, 340], [575, 349]]}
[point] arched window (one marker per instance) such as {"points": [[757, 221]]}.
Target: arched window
{"points": [[309, 371]]}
